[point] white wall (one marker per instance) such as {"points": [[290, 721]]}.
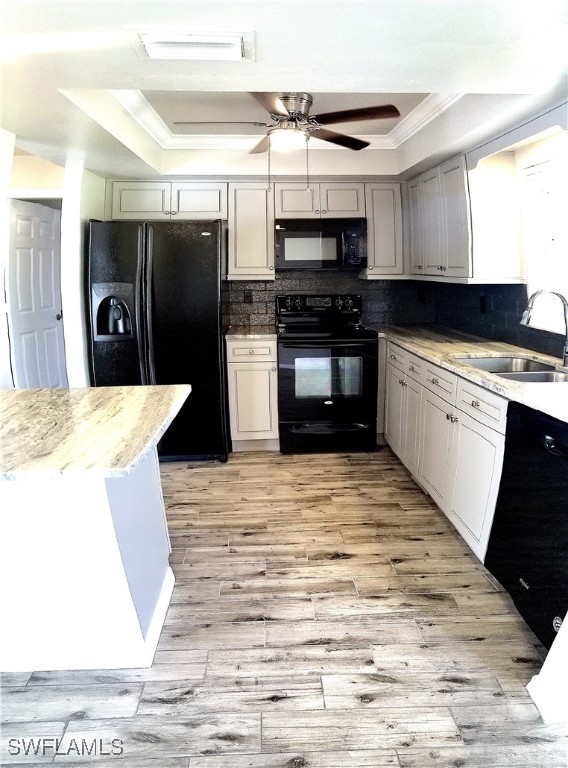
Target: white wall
{"points": [[83, 198]]}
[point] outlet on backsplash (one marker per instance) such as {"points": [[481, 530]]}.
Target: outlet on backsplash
{"points": [[247, 297]]}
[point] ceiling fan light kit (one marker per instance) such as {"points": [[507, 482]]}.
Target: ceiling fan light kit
{"points": [[287, 136]]}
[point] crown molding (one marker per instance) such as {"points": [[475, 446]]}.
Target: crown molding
{"points": [[148, 119]]}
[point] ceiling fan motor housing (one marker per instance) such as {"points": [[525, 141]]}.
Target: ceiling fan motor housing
{"points": [[297, 104]]}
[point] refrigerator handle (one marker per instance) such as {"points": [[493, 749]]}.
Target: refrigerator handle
{"points": [[148, 305], [140, 308]]}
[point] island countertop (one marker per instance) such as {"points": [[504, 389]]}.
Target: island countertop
{"points": [[105, 430]]}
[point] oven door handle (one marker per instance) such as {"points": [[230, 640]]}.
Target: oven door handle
{"points": [[329, 343]]}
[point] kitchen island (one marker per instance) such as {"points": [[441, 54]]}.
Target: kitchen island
{"points": [[85, 581]]}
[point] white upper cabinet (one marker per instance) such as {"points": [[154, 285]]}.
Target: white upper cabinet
{"points": [[465, 226], [293, 200], [455, 219], [384, 231], [251, 232], [164, 200]]}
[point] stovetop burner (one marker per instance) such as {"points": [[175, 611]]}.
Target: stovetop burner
{"points": [[321, 316]]}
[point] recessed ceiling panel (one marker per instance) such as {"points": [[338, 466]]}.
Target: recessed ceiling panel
{"points": [[218, 113]]}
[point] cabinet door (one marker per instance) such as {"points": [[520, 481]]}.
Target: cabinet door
{"points": [[415, 227], [394, 410], [431, 225], [293, 200], [412, 392], [475, 472], [251, 232], [141, 200], [342, 200], [456, 226], [253, 401], [384, 230], [436, 431], [199, 200]]}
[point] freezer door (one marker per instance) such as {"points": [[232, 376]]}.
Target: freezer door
{"points": [[114, 297], [185, 333]]}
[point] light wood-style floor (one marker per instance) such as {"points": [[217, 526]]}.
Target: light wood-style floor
{"points": [[325, 615]]}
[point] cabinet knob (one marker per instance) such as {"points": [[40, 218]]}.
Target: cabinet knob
{"points": [[436, 382], [273, 369], [323, 211], [453, 419], [412, 368], [393, 357], [475, 403], [370, 266], [317, 210], [420, 266], [271, 268], [251, 351], [167, 213], [448, 416], [174, 213]]}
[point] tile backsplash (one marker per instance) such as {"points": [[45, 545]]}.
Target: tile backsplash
{"points": [[491, 311]]}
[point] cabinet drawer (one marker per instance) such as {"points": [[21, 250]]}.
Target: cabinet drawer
{"points": [[396, 356], [441, 382], [484, 406], [253, 350], [414, 366]]}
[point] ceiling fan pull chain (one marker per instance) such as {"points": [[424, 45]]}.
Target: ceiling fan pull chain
{"points": [[307, 165], [269, 185]]}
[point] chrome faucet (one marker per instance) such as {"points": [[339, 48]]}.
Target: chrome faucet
{"points": [[526, 318]]}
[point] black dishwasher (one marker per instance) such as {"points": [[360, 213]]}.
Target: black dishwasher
{"points": [[528, 545]]}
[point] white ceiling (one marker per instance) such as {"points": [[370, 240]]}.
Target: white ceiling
{"points": [[74, 86]]}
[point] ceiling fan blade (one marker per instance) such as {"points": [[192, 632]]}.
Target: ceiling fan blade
{"points": [[271, 103], [262, 146], [363, 113], [350, 142], [222, 122]]}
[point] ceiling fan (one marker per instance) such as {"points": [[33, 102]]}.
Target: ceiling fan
{"points": [[290, 114]]}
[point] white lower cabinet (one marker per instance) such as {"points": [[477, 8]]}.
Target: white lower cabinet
{"points": [[450, 434], [435, 447], [402, 416], [475, 471], [252, 378]]}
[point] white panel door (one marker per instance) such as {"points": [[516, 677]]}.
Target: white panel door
{"points": [[33, 279]]}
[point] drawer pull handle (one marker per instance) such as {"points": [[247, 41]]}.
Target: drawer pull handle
{"points": [[475, 404]]}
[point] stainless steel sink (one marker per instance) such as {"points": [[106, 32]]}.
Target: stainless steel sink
{"points": [[506, 364], [535, 376]]}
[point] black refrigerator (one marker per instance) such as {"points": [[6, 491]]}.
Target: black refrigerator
{"points": [[154, 297]]}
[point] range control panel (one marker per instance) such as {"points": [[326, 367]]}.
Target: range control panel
{"points": [[323, 305]]}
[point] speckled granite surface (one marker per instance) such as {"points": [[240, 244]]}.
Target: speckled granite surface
{"points": [[442, 346], [98, 429], [251, 332]]}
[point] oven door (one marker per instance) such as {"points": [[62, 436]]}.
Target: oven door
{"points": [[327, 380]]}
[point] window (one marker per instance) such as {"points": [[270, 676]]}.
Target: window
{"points": [[544, 214]]}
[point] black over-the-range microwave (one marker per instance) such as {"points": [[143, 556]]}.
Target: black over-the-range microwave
{"points": [[320, 244]]}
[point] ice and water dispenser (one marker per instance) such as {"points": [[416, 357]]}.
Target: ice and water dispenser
{"points": [[112, 307]]}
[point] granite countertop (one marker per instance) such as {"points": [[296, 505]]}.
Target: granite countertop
{"points": [[443, 345], [251, 332], [105, 430]]}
